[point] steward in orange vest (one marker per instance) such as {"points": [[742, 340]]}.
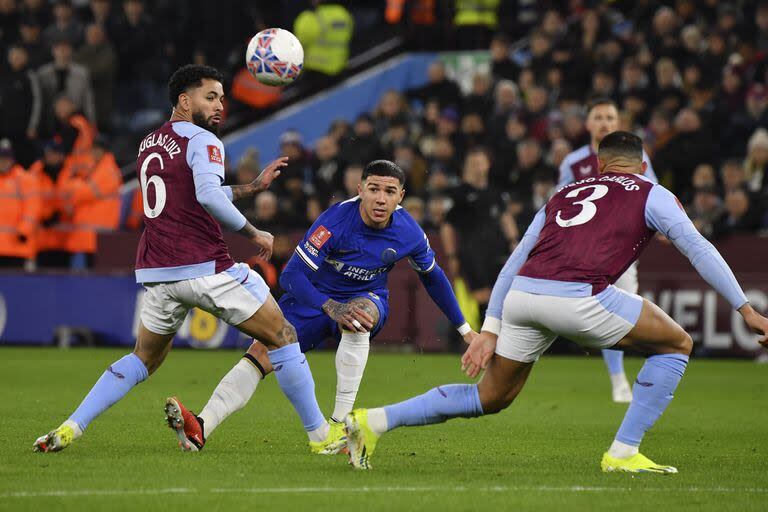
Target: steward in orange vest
{"points": [[19, 205], [50, 174], [90, 196], [75, 130]]}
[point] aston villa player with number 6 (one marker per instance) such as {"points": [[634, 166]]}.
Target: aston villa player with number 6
{"points": [[183, 262]]}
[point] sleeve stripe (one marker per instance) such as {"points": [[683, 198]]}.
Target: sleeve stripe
{"points": [[305, 258], [418, 269]]}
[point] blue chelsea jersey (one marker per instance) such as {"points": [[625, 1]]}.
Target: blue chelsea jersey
{"points": [[349, 258]]}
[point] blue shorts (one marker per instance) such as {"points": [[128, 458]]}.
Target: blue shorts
{"points": [[313, 326]]}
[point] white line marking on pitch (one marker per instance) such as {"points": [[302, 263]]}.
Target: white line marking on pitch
{"points": [[392, 489]]}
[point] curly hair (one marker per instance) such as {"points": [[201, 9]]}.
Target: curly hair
{"points": [[190, 76]]}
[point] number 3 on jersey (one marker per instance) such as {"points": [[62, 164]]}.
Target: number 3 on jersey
{"points": [[158, 183], [588, 208]]}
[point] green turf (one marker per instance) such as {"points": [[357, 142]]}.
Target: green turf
{"points": [[541, 454]]}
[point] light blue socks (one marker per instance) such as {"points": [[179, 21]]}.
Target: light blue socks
{"points": [[111, 387], [653, 391], [436, 406], [295, 379]]}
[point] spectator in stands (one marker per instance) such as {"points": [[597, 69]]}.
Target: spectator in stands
{"points": [[436, 212], [139, 42], [741, 214], [19, 211], [32, 40], [705, 209], [363, 145], [506, 102], [266, 212], [756, 164], [755, 115], [65, 25], [248, 169], [478, 218], [98, 56], [90, 197], [733, 176], [353, 175], [73, 129], [64, 76], [479, 98], [689, 147], [415, 206], [327, 167], [297, 175], [392, 105], [558, 151], [20, 106], [51, 173], [443, 165], [438, 87], [530, 162], [39, 10], [502, 65], [101, 13]]}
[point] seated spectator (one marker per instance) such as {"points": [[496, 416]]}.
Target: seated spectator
{"points": [[416, 208], [705, 209], [326, 167], [502, 65], [438, 87], [392, 105], [437, 208], [741, 215], [98, 56], [32, 41], [266, 212], [20, 106], [363, 145], [755, 166], [479, 98], [530, 162], [732, 176], [414, 166]]}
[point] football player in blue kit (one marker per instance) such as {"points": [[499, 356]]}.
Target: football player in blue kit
{"points": [[336, 287]]}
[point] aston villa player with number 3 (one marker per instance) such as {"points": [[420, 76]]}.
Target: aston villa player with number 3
{"points": [[336, 287], [183, 262]]}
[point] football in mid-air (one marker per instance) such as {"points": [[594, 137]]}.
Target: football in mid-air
{"points": [[274, 57]]}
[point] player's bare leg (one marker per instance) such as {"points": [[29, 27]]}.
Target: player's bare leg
{"points": [[669, 346], [149, 353]]}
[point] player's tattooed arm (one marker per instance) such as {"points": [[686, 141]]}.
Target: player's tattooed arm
{"points": [[261, 183], [261, 239], [350, 316]]}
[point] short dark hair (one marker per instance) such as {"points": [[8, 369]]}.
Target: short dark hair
{"points": [[384, 168], [600, 100], [190, 76], [621, 143]]}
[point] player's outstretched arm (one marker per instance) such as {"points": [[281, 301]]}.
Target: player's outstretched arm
{"points": [[492, 323], [665, 215], [261, 183]]}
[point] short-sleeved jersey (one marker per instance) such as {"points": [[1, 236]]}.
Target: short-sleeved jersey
{"points": [[349, 258], [582, 163], [593, 230], [181, 240]]}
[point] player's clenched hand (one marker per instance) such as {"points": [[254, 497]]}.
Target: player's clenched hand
{"points": [[757, 322], [478, 354], [263, 241], [269, 173], [349, 316]]}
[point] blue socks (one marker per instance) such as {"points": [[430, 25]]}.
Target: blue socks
{"points": [[112, 386], [436, 406], [653, 391], [295, 379], [614, 360]]}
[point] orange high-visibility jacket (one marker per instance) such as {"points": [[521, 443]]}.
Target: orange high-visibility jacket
{"points": [[91, 201], [19, 213], [135, 217], [53, 237], [86, 133]]}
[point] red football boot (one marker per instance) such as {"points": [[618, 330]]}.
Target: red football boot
{"points": [[188, 427]]}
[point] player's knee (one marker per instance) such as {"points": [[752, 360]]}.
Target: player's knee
{"points": [[497, 400], [260, 353], [684, 344]]}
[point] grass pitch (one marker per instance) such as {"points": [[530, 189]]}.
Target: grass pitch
{"points": [[542, 453]]}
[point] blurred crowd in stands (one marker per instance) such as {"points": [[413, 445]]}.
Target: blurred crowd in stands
{"points": [[688, 76]]}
